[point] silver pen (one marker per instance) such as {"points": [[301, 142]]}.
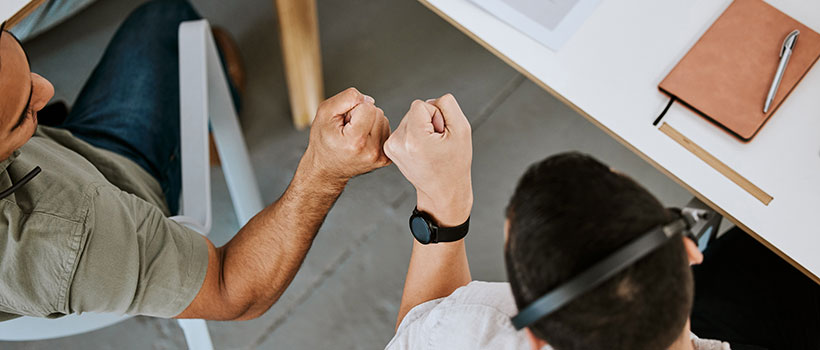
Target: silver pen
{"points": [[785, 54]]}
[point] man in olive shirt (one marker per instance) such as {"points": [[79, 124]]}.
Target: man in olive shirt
{"points": [[91, 231]]}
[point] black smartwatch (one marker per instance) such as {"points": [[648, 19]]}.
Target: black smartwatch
{"points": [[426, 231]]}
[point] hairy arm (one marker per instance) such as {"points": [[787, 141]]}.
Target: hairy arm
{"points": [[247, 275]]}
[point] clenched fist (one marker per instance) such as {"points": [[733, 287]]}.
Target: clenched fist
{"points": [[347, 137], [433, 148]]}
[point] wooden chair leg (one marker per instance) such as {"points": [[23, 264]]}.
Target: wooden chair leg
{"points": [[299, 33]]}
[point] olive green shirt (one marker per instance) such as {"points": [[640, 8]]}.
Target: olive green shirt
{"points": [[91, 234]]}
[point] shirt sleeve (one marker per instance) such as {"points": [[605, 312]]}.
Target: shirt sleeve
{"points": [[707, 344], [412, 329], [476, 316], [135, 260]]}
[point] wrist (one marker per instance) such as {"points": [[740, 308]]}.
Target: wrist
{"points": [[449, 210], [310, 172]]}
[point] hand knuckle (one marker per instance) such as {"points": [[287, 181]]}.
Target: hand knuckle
{"points": [[353, 93], [359, 144], [374, 155], [395, 147]]}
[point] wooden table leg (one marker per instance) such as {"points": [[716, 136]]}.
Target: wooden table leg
{"points": [[299, 34], [22, 13]]}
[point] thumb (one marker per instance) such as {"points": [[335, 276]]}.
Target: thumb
{"points": [[438, 122], [341, 103], [451, 112], [392, 146], [421, 115], [360, 120]]}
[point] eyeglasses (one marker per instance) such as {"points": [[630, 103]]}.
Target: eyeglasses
{"points": [[14, 187]]}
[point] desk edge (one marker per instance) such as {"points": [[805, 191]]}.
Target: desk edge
{"points": [[626, 144]]}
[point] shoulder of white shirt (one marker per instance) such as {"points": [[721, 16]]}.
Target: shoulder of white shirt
{"points": [[464, 302]]}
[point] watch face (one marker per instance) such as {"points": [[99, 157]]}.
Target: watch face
{"points": [[420, 229]]}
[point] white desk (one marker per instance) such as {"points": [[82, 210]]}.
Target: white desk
{"points": [[13, 11], [609, 71]]}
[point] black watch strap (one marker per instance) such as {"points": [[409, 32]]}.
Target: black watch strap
{"points": [[445, 234]]}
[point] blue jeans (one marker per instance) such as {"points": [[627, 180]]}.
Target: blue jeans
{"points": [[130, 104]]}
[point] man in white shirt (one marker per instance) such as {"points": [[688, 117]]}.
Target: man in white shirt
{"points": [[568, 212]]}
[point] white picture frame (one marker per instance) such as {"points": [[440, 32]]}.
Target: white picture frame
{"points": [[552, 38]]}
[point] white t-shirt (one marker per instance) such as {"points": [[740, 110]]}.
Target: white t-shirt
{"points": [[476, 316]]}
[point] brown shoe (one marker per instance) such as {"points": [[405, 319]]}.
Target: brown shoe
{"points": [[233, 59], [236, 73]]}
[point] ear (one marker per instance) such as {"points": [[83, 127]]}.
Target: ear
{"points": [[534, 341], [692, 251], [506, 230]]}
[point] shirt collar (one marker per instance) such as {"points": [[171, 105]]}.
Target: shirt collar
{"points": [[5, 163]]}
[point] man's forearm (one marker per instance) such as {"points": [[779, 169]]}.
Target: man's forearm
{"points": [[436, 270], [262, 259], [432, 148], [247, 275]]}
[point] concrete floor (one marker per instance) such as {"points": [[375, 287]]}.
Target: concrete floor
{"points": [[346, 294]]}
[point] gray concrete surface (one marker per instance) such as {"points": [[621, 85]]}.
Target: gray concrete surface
{"points": [[347, 293]]}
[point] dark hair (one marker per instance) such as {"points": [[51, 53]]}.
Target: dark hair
{"points": [[568, 212]]}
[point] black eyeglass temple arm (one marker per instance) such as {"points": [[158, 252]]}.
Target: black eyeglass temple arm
{"points": [[31, 174]]}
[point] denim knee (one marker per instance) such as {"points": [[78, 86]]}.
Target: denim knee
{"points": [[157, 13]]}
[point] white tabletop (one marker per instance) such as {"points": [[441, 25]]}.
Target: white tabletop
{"points": [[609, 70], [9, 8]]}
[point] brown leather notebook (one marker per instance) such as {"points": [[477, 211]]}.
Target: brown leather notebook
{"points": [[726, 76]]}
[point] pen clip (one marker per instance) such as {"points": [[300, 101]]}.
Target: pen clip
{"points": [[789, 42]]}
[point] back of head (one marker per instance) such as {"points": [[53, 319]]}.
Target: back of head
{"points": [[569, 212]]}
